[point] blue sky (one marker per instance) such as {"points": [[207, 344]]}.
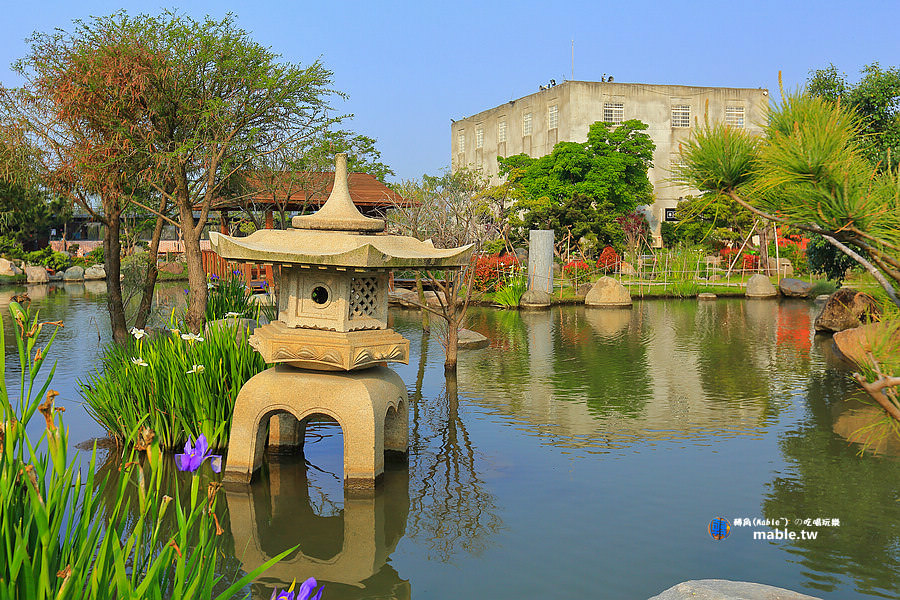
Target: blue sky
{"points": [[409, 67]]}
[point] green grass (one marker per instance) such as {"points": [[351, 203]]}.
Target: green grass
{"points": [[169, 394]]}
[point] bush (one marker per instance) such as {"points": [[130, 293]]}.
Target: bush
{"points": [[492, 271], [827, 260], [46, 257], [609, 260], [577, 270], [511, 292], [54, 545], [95, 256], [177, 384]]}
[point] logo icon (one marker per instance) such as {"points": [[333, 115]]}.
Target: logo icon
{"points": [[719, 528]]}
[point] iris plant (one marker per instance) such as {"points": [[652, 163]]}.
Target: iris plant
{"points": [[195, 454], [304, 593]]}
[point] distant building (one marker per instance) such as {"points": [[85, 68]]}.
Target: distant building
{"points": [[534, 124]]}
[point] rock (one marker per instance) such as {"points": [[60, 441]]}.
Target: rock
{"points": [[403, 297], [471, 340], [781, 267], [172, 268], [8, 268], [846, 308], [607, 292], [855, 344], [627, 269], [720, 589], [706, 296], [821, 298], [583, 290], [535, 299], [713, 260], [56, 277], [94, 273], [522, 255], [37, 274], [759, 286], [794, 288], [73, 274]]}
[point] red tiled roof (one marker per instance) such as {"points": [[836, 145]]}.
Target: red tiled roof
{"points": [[365, 191]]}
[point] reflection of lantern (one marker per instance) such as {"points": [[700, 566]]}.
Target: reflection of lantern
{"points": [[332, 316]]}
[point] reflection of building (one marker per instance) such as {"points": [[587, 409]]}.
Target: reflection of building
{"points": [[534, 124], [351, 548]]}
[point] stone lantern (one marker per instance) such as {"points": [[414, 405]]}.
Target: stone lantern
{"points": [[331, 341]]}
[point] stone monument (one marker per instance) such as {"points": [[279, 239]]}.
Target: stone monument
{"points": [[331, 340]]}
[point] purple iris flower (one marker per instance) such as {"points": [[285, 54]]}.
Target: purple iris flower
{"points": [[304, 593], [194, 455], [213, 276]]}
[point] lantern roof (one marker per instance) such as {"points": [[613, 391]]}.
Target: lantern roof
{"points": [[338, 235]]}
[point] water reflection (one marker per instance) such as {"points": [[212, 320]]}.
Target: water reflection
{"points": [[827, 477], [598, 379], [346, 549]]}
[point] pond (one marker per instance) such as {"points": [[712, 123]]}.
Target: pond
{"points": [[583, 454]]}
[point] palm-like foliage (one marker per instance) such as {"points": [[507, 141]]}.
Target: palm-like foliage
{"points": [[807, 171]]}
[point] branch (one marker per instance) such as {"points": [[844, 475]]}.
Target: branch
{"points": [[874, 272], [157, 213], [876, 390]]}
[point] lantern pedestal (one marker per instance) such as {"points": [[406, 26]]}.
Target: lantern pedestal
{"points": [[370, 406]]}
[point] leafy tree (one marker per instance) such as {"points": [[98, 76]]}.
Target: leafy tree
{"points": [[876, 99], [581, 188], [203, 102], [712, 221], [826, 259]]}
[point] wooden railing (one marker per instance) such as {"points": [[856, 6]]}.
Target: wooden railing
{"points": [[255, 276]]}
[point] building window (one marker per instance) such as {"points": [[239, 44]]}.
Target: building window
{"points": [[526, 124], [613, 112], [681, 115], [734, 116], [461, 142], [479, 136], [553, 117], [501, 131]]}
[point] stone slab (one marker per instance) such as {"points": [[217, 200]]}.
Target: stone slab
{"points": [[471, 340], [721, 589]]}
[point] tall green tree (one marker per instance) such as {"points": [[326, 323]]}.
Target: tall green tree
{"points": [[580, 188], [875, 98]]}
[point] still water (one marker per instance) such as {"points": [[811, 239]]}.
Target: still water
{"points": [[582, 455]]}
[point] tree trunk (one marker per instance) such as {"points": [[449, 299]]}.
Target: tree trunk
{"points": [[452, 344], [150, 280], [196, 310], [112, 254], [764, 250], [426, 323]]}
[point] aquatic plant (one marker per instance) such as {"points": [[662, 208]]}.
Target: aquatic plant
{"points": [[511, 293], [229, 295], [180, 388], [53, 544], [195, 455], [304, 593]]}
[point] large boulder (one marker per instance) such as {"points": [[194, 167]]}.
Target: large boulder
{"points": [[855, 344], [471, 340], [36, 274], [535, 299], [95, 272], [794, 288], [608, 293], [74, 274], [759, 286], [846, 308], [721, 589], [583, 290], [8, 269]]}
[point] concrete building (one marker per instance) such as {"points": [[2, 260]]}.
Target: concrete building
{"points": [[564, 112]]}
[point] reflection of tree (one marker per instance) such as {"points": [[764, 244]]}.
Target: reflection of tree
{"points": [[828, 478], [450, 506]]}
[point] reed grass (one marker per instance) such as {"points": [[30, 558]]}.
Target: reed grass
{"points": [[173, 383]]}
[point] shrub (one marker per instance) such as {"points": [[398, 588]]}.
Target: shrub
{"points": [[95, 256], [52, 542], [177, 384], [576, 270], [609, 260], [491, 271], [229, 297]]}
